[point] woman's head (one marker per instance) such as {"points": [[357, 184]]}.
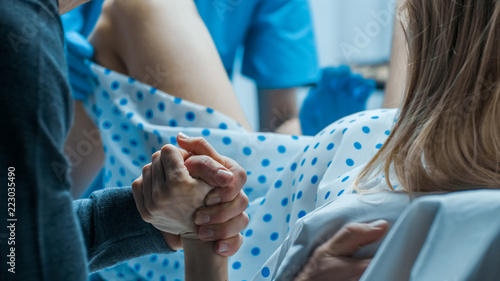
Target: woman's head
{"points": [[447, 136]]}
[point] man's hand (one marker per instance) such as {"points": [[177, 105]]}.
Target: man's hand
{"points": [[333, 260], [167, 196], [223, 218]]}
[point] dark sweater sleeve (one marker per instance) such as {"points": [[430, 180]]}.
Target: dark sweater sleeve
{"points": [[113, 229]]}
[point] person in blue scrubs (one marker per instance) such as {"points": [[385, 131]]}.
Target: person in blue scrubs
{"points": [[277, 37]]}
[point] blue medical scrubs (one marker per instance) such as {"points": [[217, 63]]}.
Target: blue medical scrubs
{"points": [[277, 36]]}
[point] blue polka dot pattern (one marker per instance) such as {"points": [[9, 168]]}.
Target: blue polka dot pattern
{"points": [[302, 214], [265, 272], [247, 151], [262, 179], [314, 179], [274, 236], [105, 94], [286, 174], [190, 116], [115, 86], [107, 125], [140, 96], [236, 265], [284, 202], [281, 149], [327, 195], [314, 161], [161, 106], [278, 184], [268, 217], [255, 251], [357, 145]]}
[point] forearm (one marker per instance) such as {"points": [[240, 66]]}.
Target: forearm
{"points": [[276, 107], [202, 262], [68, 5], [85, 151], [113, 229]]}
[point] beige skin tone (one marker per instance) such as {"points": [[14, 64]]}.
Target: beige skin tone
{"points": [[113, 55], [333, 260], [399, 59], [278, 111], [227, 217]]}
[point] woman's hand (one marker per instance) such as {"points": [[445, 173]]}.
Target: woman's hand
{"points": [[333, 260], [167, 196], [223, 217]]}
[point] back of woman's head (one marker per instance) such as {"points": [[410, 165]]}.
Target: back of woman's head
{"points": [[447, 136]]}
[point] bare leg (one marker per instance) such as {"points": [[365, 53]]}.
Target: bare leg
{"points": [[135, 37]]}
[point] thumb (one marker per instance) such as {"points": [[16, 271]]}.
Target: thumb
{"points": [[199, 146], [352, 237]]}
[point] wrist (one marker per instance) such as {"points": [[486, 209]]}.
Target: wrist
{"points": [[173, 241]]}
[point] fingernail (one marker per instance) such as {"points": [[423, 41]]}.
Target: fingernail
{"points": [[202, 218], [213, 201], [183, 136], [223, 248], [224, 176], [378, 223], [206, 233]]}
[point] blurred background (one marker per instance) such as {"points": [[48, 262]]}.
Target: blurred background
{"points": [[357, 33]]}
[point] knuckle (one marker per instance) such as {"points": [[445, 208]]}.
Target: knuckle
{"points": [[246, 220], [156, 155], [242, 176], [136, 184], [146, 168], [244, 200], [167, 149]]}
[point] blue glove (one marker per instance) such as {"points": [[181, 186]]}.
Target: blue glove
{"points": [[79, 52], [339, 94]]}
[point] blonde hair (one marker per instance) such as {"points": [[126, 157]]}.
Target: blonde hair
{"points": [[447, 136]]}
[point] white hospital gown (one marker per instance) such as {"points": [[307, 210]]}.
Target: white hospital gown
{"points": [[288, 176]]}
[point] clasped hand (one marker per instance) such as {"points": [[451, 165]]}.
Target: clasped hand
{"points": [[194, 184]]}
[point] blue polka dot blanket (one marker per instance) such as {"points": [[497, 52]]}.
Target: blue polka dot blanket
{"points": [[290, 178]]}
